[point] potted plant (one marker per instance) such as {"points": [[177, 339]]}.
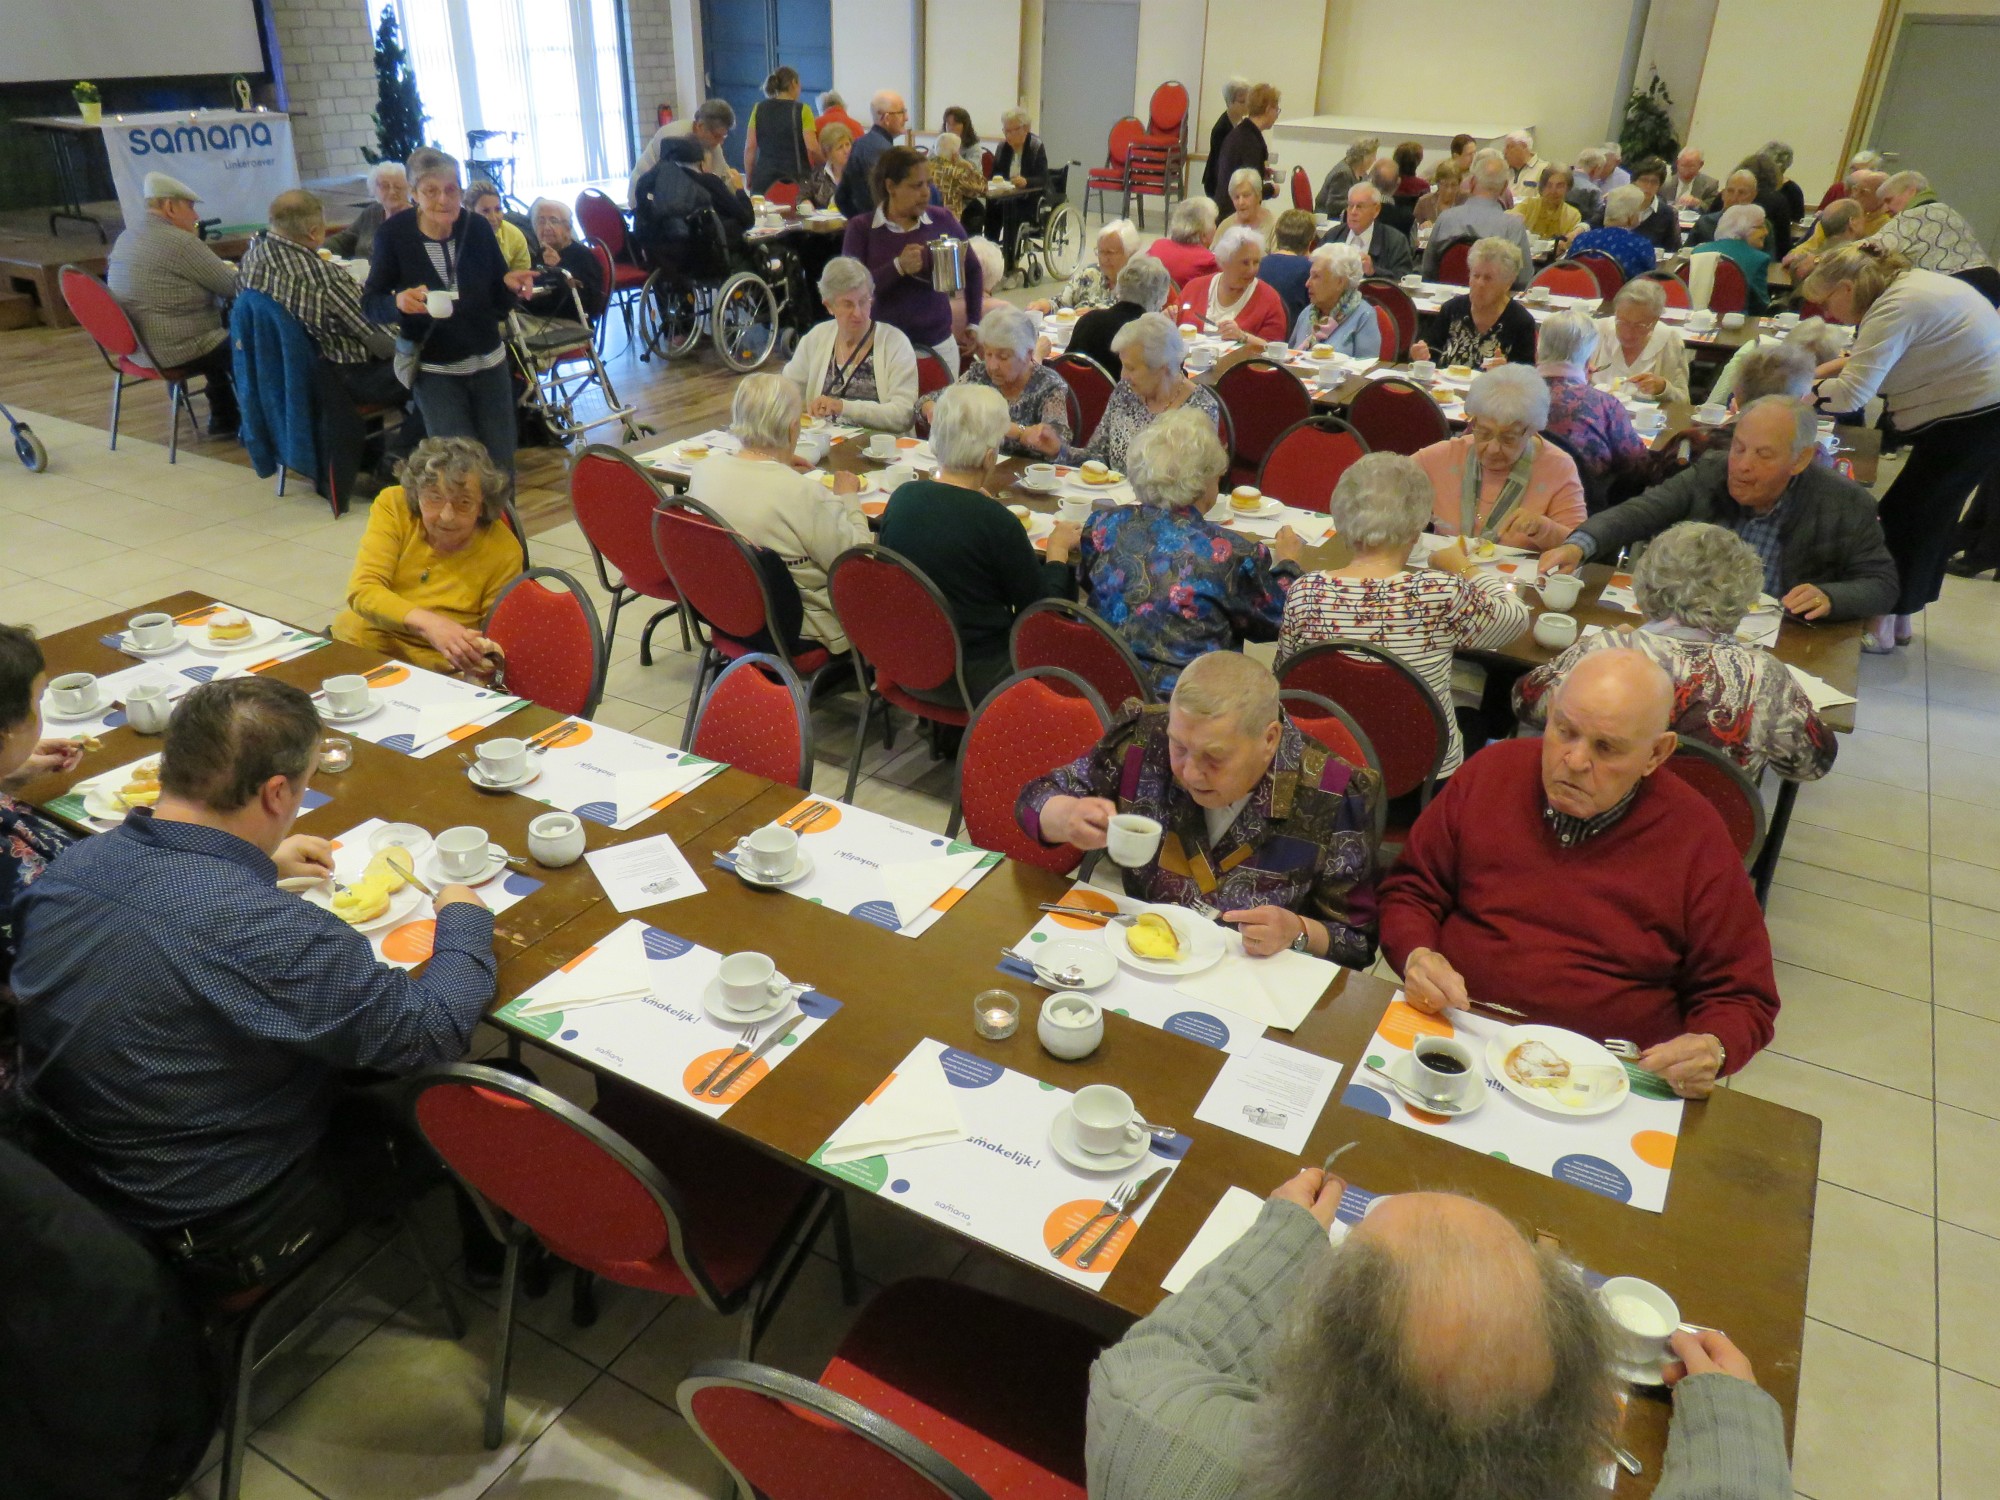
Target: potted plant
{"points": [[89, 103]]}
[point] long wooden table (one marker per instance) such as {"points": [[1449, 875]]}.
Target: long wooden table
{"points": [[1732, 1245]]}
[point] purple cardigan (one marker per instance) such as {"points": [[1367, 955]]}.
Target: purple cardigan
{"points": [[907, 302]]}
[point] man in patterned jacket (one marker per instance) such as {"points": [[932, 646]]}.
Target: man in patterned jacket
{"points": [[1263, 826]]}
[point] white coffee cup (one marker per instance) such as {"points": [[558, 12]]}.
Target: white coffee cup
{"points": [[1041, 476], [1701, 318], [147, 709], [1133, 839], [73, 693], [1105, 1120], [749, 981], [346, 695], [503, 760], [1071, 1025], [1645, 1318], [1440, 1082], [556, 839], [439, 304], [1714, 414], [1423, 371], [1538, 294], [1412, 282], [1787, 320], [462, 851], [1073, 508], [882, 445], [771, 851], [1560, 591], [1732, 320], [151, 632], [1556, 631]]}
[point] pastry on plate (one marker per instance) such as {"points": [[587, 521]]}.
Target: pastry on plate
{"points": [[1536, 1065], [363, 901], [1153, 936], [228, 626]]}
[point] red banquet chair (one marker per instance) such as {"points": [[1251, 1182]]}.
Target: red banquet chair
{"points": [[986, 163], [602, 219], [1675, 289], [1111, 177], [1729, 789], [1335, 728], [1007, 1425], [1060, 633], [1030, 724], [730, 589], [552, 643], [1730, 291], [1568, 278], [1302, 190], [648, 1201], [1387, 295], [932, 377], [1307, 460], [1610, 275], [1263, 399], [1090, 387], [783, 194], [1388, 336], [756, 719], [905, 639], [1156, 166], [1455, 262], [613, 498], [124, 350], [1395, 415], [1395, 708]]}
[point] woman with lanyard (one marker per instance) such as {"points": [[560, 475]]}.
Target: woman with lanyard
{"points": [[438, 273], [1499, 481], [851, 368], [781, 144]]}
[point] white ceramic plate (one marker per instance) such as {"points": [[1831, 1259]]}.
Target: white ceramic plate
{"points": [[98, 704], [262, 633], [1398, 1070], [126, 643], [479, 779], [401, 905], [1098, 967], [1201, 942], [434, 875], [1575, 1049], [97, 796], [1266, 508], [712, 1002], [328, 716]]}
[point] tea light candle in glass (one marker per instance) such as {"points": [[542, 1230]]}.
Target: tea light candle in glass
{"points": [[995, 1014], [335, 754]]}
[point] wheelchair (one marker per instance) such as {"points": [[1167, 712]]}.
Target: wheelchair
{"points": [[558, 363], [496, 167], [747, 297], [1052, 242]]}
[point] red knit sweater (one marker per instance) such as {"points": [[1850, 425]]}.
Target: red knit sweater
{"points": [[1647, 931]]}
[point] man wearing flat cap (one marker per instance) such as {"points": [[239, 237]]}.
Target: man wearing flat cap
{"points": [[175, 288]]}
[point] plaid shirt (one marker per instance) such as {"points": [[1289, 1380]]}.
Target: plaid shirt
{"points": [[174, 287], [1574, 830], [1766, 533], [319, 294]]}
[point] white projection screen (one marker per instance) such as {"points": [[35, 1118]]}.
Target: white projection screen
{"points": [[43, 40]]}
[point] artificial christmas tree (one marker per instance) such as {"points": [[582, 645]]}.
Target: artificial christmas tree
{"points": [[399, 113]]}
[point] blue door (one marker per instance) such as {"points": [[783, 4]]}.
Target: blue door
{"points": [[745, 40]]}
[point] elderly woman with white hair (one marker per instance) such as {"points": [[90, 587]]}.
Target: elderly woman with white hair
{"points": [[1235, 104], [1635, 346], [771, 505], [1232, 301], [1143, 286], [1247, 205], [1625, 208], [1150, 353], [1740, 234], [1184, 249], [1593, 423], [960, 183], [1695, 582], [1485, 327], [388, 195], [1499, 480], [1780, 364], [1336, 315], [1423, 615], [967, 542], [560, 258], [1037, 398], [851, 368], [1172, 583], [1354, 164], [1094, 282]]}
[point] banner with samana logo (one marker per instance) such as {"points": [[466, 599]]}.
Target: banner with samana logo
{"points": [[236, 162]]}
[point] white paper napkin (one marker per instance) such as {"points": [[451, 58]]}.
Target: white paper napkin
{"points": [[915, 1110], [1822, 693], [642, 788], [1280, 990], [915, 885], [436, 720], [618, 970]]}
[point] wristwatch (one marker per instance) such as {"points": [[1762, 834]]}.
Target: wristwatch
{"points": [[1303, 942]]}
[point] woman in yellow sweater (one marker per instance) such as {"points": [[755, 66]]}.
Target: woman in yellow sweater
{"points": [[435, 556], [1548, 214]]}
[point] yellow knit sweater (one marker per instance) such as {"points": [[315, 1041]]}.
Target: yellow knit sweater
{"points": [[396, 571], [1545, 220]]}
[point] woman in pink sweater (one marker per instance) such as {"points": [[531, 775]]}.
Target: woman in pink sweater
{"points": [[1232, 302], [1499, 480]]}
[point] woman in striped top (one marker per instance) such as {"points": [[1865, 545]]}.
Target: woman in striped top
{"points": [[1424, 614]]}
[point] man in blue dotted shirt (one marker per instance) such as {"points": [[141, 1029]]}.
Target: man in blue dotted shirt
{"points": [[185, 1024]]}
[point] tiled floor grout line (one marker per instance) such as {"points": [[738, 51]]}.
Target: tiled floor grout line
{"points": [[1937, 1166]]}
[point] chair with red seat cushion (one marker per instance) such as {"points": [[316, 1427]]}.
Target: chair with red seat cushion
{"points": [[124, 351], [1393, 705], [756, 719], [1307, 460], [1090, 386], [633, 1193], [1397, 416], [1386, 294], [1676, 290], [932, 376], [1455, 263], [1263, 399], [728, 585], [1728, 787], [1060, 633], [1334, 727], [1167, 111], [1029, 725], [1156, 166], [905, 639], [614, 497], [603, 220], [1568, 278], [901, 1412], [553, 645], [783, 194], [1388, 335], [1610, 275], [1730, 291], [986, 162], [1110, 177], [1302, 190]]}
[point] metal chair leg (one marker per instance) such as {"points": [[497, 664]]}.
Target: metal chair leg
{"points": [[177, 393], [454, 1320], [860, 743], [236, 1418], [117, 397], [503, 1351], [843, 1250]]}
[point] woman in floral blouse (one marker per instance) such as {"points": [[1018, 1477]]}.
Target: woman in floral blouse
{"points": [[1171, 583], [1695, 584], [1094, 284], [1037, 397], [1592, 422], [1150, 350], [1486, 327]]}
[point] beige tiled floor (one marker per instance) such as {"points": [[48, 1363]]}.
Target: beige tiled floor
{"points": [[1886, 923]]}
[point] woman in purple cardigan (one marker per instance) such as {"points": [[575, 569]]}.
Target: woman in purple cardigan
{"points": [[891, 242]]}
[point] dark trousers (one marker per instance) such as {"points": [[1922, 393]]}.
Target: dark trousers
{"points": [[476, 406], [1920, 512], [1979, 532], [344, 440], [215, 367]]}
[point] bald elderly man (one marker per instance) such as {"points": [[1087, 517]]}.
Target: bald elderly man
{"points": [[1567, 878], [1432, 1352]]}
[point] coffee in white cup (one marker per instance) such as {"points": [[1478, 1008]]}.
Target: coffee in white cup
{"points": [[462, 851], [556, 839], [147, 708], [1645, 1318], [1787, 320], [1701, 319], [150, 632], [1073, 508], [1444, 1070], [882, 445], [771, 851], [1556, 631], [1411, 282], [503, 760], [1423, 371], [1132, 839], [749, 981], [1039, 476], [1105, 1120], [1560, 591], [73, 693], [347, 694], [439, 304], [1732, 320]]}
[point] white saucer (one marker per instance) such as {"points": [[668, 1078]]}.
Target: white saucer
{"points": [[1099, 967], [434, 873], [801, 867], [126, 643], [50, 711], [728, 1015], [1062, 1140], [1038, 489], [331, 716], [1646, 1375], [479, 779], [1415, 1100], [392, 835]]}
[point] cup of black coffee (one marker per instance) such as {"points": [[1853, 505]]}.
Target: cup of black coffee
{"points": [[1444, 1070]]}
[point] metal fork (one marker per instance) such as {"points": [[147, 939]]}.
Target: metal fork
{"points": [[803, 816], [1115, 1204], [1617, 1046], [748, 1040]]}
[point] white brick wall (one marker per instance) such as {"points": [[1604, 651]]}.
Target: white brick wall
{"points": [[649, 43], [329, 54]]}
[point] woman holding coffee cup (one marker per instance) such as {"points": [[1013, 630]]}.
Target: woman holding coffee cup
{"points": [[28, 841]]}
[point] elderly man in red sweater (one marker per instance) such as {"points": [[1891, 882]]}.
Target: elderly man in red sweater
{"points": [[1589, 892]]}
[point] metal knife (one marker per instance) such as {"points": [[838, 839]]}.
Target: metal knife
{"points": [[777, 1034], [1139, 1199]]}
